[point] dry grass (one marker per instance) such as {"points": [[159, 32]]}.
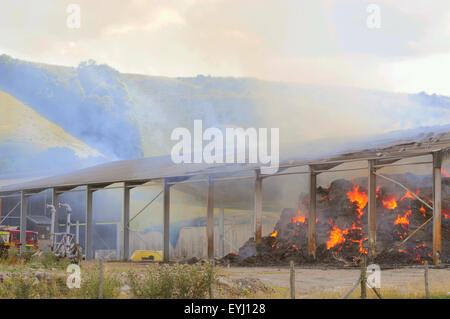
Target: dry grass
{"points": [[275, 294], [407, 292], [182, 279]]}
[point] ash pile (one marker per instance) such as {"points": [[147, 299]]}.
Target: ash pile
{"points": [[341, 226]]}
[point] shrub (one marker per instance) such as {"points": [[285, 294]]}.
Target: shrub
{"points": [[10, 256], [20, 286], [90, 286], [173, 281], [54, 288], [155, 283], [48, 260], [13, 256]]}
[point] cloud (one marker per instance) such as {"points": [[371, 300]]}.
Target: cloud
{"points": [[323, 41], [164, 17]]}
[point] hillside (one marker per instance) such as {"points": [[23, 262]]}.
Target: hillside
{"points": [[127, 116], [23, 130]]}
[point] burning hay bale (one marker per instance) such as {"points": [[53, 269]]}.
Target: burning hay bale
{"points": [[342, 226]]}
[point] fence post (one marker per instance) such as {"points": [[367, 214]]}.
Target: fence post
{"points": [[427, 288], [363, 278], [100, 282], [292, 279], [211, 277]]}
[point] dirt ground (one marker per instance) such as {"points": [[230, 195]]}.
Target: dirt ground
{"points": [[309, 282]]}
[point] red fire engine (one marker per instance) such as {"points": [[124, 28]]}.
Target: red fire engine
{"points": [[10, 237]]}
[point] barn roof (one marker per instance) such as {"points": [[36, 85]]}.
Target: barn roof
{"points": [[385, 149]]}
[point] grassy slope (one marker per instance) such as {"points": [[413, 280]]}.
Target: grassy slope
{"points": [[23, 127]]}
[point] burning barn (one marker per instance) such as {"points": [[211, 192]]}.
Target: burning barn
{"points": [[355, 203], [403, 225]]}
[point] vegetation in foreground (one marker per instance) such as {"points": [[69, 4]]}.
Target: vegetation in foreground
{"points": [[41, 275]]}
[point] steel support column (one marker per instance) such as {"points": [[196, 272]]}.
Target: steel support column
{"points": [[258, 209], [312, 214], [221, 232], [372, 210], [119, 236], [210, 218], [23, 221], [125, 251], [437, 207], [89, 226], [166, 201], [55, 204]]}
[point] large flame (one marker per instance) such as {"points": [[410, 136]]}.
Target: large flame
{"points": [[336, 237], [349, 237], [389, 202], [358, 197]]}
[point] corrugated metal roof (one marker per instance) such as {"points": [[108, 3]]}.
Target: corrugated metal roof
{"points": [[145, 169], [13, 181]]}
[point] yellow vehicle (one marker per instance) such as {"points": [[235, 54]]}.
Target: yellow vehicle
{"points": [[147, 255]]}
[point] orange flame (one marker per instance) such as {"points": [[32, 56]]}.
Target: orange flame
{"points": [[274, 234], [409, 195], [389, 202], [403, 220], [358, 197], [299, 218], [336, 237]]}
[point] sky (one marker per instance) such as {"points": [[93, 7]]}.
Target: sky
{"points": [[401, 45]]}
